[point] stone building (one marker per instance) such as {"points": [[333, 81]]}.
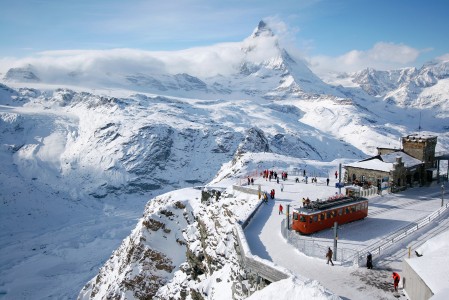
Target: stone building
{"points": [[395, 169]]}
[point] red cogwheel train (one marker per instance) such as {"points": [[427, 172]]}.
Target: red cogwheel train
{"points": [[322, 214]]}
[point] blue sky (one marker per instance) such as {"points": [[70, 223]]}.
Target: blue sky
{"points": [[321, 30]]}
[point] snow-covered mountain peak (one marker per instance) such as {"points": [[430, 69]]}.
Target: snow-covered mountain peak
{"points": [[262, 30], [26, 73]]}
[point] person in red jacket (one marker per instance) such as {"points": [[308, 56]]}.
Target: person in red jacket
{"points": [[280, 209], [396, 279]]}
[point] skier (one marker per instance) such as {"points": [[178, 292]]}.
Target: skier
{"points": [[280, 209], [329, 256], [396, 279]]}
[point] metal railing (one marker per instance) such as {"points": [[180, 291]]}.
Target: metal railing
{"points": [[379, 247], [313, 247]]}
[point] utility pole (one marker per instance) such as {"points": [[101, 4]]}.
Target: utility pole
{"points": [[288, 216], [442, 194], [339, 178], [335, 240]]}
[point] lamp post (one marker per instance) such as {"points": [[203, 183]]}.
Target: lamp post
{"points": [[442, 194]]}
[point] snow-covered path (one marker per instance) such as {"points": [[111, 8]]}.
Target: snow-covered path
{"points": [[265, 240]]}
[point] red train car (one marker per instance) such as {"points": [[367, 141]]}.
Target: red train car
{"points": [[320, 215]]}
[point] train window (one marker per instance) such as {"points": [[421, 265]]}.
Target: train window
{"points": [[357, 208], [315, 218], [311, 219], [347, 210], [328, 214], [295, 216], [353, 208], [340, 211], [322, 217], [302, 219], [333, 214]]}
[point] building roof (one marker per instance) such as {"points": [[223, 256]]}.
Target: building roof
{"points": [[408, 161], [420, 137], [429, 265], [385, 162], [372, 164]]}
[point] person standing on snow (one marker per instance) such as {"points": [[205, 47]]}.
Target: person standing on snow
{"points": [[329, 256], [369, 261], [280, 209], [396, 279], [336, 174], [327, 181], [282, 187]]}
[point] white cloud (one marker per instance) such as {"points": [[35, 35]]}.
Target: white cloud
{"points": [[444, 57], [382, 56], [201, 62]]}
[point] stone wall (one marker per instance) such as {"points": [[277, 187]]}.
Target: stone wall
{"points": [[420, 147], [370, 175], [256, 265]]}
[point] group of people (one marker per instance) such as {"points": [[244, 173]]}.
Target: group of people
{"points": [[306, 202], [270, 174], [265, 195], [395, 275]]}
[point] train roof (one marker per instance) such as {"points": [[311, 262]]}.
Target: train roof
{"points": [[322, 205]]}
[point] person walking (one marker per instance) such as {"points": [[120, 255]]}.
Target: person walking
{"points": [[282, 187], [281, 208], [327, 181], [369, 261], [396, 279], [336, 174], [329, 256]]}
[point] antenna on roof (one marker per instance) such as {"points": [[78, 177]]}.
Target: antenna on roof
{"points": [[419, 126]]}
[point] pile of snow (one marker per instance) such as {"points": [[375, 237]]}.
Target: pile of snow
{"points": [[429, 266], [293, 288]]}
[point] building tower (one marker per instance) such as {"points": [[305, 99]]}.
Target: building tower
{"points": [[421, 147]]}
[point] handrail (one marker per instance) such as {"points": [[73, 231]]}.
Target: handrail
{"points": [[377, 247]]}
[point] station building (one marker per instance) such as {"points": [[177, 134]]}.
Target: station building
{"points": [[397, 169]]}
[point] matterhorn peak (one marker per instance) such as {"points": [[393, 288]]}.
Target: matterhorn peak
{"points": [[262, 30]]}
